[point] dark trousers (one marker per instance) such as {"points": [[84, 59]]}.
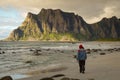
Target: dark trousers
{"points": [[82, 66]]}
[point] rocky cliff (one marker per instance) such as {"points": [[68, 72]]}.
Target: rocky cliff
{"points": [[57, 25], [107, 28]]}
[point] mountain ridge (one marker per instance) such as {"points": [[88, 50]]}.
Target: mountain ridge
{"points": [[56, 25]]}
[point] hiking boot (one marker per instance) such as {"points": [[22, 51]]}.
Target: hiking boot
{"points": [[83, 72]]}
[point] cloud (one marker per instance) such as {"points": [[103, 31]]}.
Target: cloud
{"points": [[108, 12], [92, 9], [13, 12]]}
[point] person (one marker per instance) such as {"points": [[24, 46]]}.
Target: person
{"points": [[81, 57]]}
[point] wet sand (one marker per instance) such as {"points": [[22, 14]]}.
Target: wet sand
{"points": [[98, 67], [24, 63]]}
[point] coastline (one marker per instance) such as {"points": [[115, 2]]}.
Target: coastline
{"points": [[98, 67], [62, 59]]}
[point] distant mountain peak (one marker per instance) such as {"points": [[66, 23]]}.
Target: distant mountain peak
{"points": [[113, 17], [43, 10], [58, 25]]}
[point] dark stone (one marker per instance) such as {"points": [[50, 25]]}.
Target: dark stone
{"points": [[88, 52], [13, 52], [48, 50], [58, 50], [3, 52], [39, 50], [102, 53], [116, 49], [47, 78], [94, 50], [58, 75], [99, 49], [31, 50], [6, 78], [28, 62], [74, 56], [37, 53], [110, 49], [62, 51], [66, 78], [91, 79]]}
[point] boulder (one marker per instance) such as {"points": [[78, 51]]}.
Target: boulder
{"points": [[66, 78], [47, 78], [6, 78], [58, 75], [102, 53]]}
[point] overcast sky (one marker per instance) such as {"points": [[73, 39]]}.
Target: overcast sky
{"points": [[13, 12]]}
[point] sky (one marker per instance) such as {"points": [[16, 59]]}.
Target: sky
{"points": [[13, 12]]}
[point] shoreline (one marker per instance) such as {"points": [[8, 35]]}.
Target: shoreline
{"points": [[98, 67], [21, 61], [62, 41]]}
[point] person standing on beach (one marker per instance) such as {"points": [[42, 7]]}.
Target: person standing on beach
{"points": [[81, 57]]}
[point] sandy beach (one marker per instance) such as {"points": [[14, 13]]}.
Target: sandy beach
{"points": [[99, 66]]}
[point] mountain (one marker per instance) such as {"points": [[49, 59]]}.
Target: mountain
{"points": [[56, 25], [107, 28]]}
